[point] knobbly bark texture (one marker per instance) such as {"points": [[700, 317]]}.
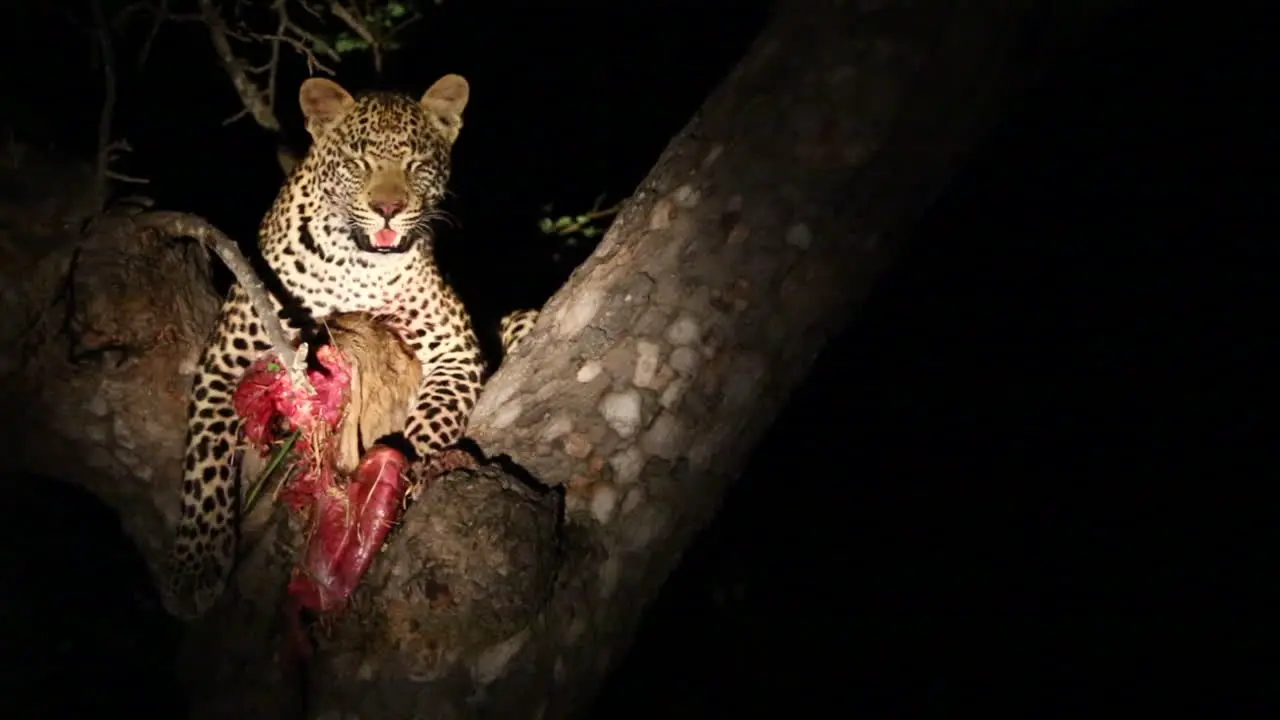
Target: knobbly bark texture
{"points": [[510, 588], [658, 366], [99, 334]]}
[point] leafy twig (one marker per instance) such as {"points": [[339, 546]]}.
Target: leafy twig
{"points": [[574, 224], [341, 12]]}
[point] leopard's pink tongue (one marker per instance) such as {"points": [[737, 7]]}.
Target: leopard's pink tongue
{"points": [[385, 238]]}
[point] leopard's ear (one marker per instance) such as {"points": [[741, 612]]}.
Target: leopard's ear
{"points": [[323, 102], [445, 100]]}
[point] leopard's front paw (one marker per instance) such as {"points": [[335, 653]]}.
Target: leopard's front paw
{"points": [[423, 474], [193, 585]]}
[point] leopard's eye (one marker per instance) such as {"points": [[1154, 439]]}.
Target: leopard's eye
{"points": [[354, 160]]}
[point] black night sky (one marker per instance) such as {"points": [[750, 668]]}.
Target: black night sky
{"points": [[1013, 484]]}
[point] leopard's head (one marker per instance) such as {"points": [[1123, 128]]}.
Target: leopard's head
{"points": [[381, 161]]}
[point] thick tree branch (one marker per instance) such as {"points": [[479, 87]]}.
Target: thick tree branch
{"points": [[176, 224], [632, 406], [655, 369], [252, 98], [94, 389], [259, 101], [255, 101]]}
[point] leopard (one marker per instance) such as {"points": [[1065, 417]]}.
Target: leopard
{"points": [[349, 231], [514, 327]]}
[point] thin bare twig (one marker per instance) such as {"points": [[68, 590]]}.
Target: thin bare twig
{"points": [[274, 64], [255, 102], [301, 40], [310, 39], [313, 12], [107, 150], [159, 13], [239, 114], [313, 63], [258, 97], [341, 12], [121, 177], [398, 27]]}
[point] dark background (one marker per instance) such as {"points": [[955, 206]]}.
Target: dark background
{"points": [[1028, 476]]}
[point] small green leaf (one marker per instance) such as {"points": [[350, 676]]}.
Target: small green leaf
{"points": [[545, 225], [347, 43]]}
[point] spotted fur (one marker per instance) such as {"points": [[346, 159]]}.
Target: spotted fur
{"points": [[348, 232], [515, 327]]}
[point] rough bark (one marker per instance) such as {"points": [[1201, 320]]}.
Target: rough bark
{"points": [[666, 356], [100, 330], [509, 589]]}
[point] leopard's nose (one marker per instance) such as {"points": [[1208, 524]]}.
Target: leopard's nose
{"points": [[387, 208]]}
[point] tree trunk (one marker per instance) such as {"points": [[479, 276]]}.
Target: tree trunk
{"points": [[648, 379]]}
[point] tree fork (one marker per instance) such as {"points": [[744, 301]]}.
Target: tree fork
{"points": [[633, 405]]}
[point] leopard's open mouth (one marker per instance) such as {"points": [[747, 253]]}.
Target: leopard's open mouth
{"points": [[385, 240]]}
